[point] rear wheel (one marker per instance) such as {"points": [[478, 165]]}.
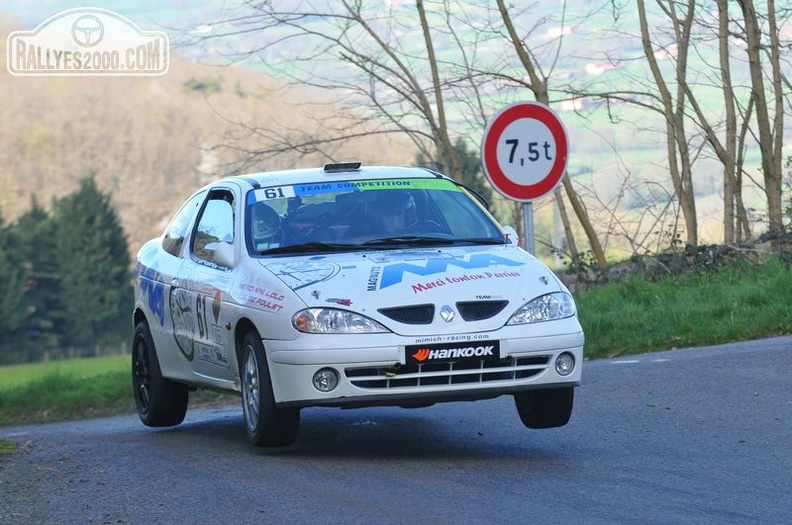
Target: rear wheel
{"points": [[545, 408], [267, 425], [160, 402]]}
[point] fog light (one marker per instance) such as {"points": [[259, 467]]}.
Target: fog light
{"points": [[325, 380], [564, 364]]}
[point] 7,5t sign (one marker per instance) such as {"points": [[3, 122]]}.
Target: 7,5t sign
{"points": [[524, 151]]}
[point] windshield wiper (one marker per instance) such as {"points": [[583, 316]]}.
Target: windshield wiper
{"points": [[310, 247], [402, 240], [415, 240], [480, 240]]}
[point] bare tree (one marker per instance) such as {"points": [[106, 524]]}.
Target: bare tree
{"points": [[673, 107], [682, 94], [769, 113], [735, 219], [394, 86], [729, 149], [447, 151]]}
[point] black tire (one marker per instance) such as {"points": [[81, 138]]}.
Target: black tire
{"points": [[266, 424], [160, 402], [549, 408]]}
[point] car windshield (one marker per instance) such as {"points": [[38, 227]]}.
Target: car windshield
{"points": [[367, 214]]}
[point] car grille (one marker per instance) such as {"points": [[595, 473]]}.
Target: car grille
{"points": [[449, 373], [477, 310], [418, 314], [424, 313]]}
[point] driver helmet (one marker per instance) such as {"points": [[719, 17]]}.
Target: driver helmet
{"points": [[396, 208], [264, 224]]}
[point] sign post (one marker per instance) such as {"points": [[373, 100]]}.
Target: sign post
{"points": [[524, 155]]}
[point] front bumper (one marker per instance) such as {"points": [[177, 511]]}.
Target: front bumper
{"points": [[372, 369]]}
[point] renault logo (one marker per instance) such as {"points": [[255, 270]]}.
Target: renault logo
{"points": [[447, 313]]}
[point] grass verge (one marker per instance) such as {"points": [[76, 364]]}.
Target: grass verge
{"points": [[60, 396], [737, 303]]}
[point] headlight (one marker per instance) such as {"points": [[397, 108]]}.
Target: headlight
{"points": [[545, 308], [333, 321]]}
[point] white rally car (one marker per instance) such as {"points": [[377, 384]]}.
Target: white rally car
{"points": [[347, 287]]}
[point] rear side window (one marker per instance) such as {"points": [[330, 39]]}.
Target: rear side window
{"points": [[179, 225]]}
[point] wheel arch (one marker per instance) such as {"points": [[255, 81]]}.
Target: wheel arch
{"points": [[138, 316], [243, 326]]}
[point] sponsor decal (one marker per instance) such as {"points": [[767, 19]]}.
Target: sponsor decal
{"points": [[373, 279], [252, 289], [212, 354], [216, 303], [183, 317], [422, 287], [195, 334], [298, 275], [261, 297], [466, 351], [362, 185], [153, 290], [394, 273], [450, 338], [342, 302]]}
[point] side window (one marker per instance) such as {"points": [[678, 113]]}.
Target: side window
{"points": [[464, 218], [215, 224], [178, 227]]}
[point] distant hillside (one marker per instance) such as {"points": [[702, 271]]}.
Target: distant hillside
{"points": [[148, 140]]}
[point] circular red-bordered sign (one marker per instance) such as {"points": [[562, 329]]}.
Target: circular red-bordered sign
{"points": [[524, 151]]}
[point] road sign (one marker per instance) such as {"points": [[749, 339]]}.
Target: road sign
{"points": [[524, 151]]}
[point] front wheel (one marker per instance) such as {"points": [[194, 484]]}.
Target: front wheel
{"points": [[267, 425], [545, 408], [160, 402]]}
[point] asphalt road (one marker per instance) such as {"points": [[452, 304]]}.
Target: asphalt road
{"points": [[688, 436]]}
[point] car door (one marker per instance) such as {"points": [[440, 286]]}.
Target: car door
{"points": [[206, 284]]}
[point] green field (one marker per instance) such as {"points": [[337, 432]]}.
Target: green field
{"points": [[13, 376], [76, 389]]}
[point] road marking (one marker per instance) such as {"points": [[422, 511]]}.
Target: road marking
{"points": [[636, 361]]}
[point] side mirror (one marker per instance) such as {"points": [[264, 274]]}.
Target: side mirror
{"points": [[225, 254], [511, 235]]}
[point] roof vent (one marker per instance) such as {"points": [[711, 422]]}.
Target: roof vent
{"points": [[340, 167]]}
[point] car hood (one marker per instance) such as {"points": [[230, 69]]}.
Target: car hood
{"points": [[406, 290]]}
